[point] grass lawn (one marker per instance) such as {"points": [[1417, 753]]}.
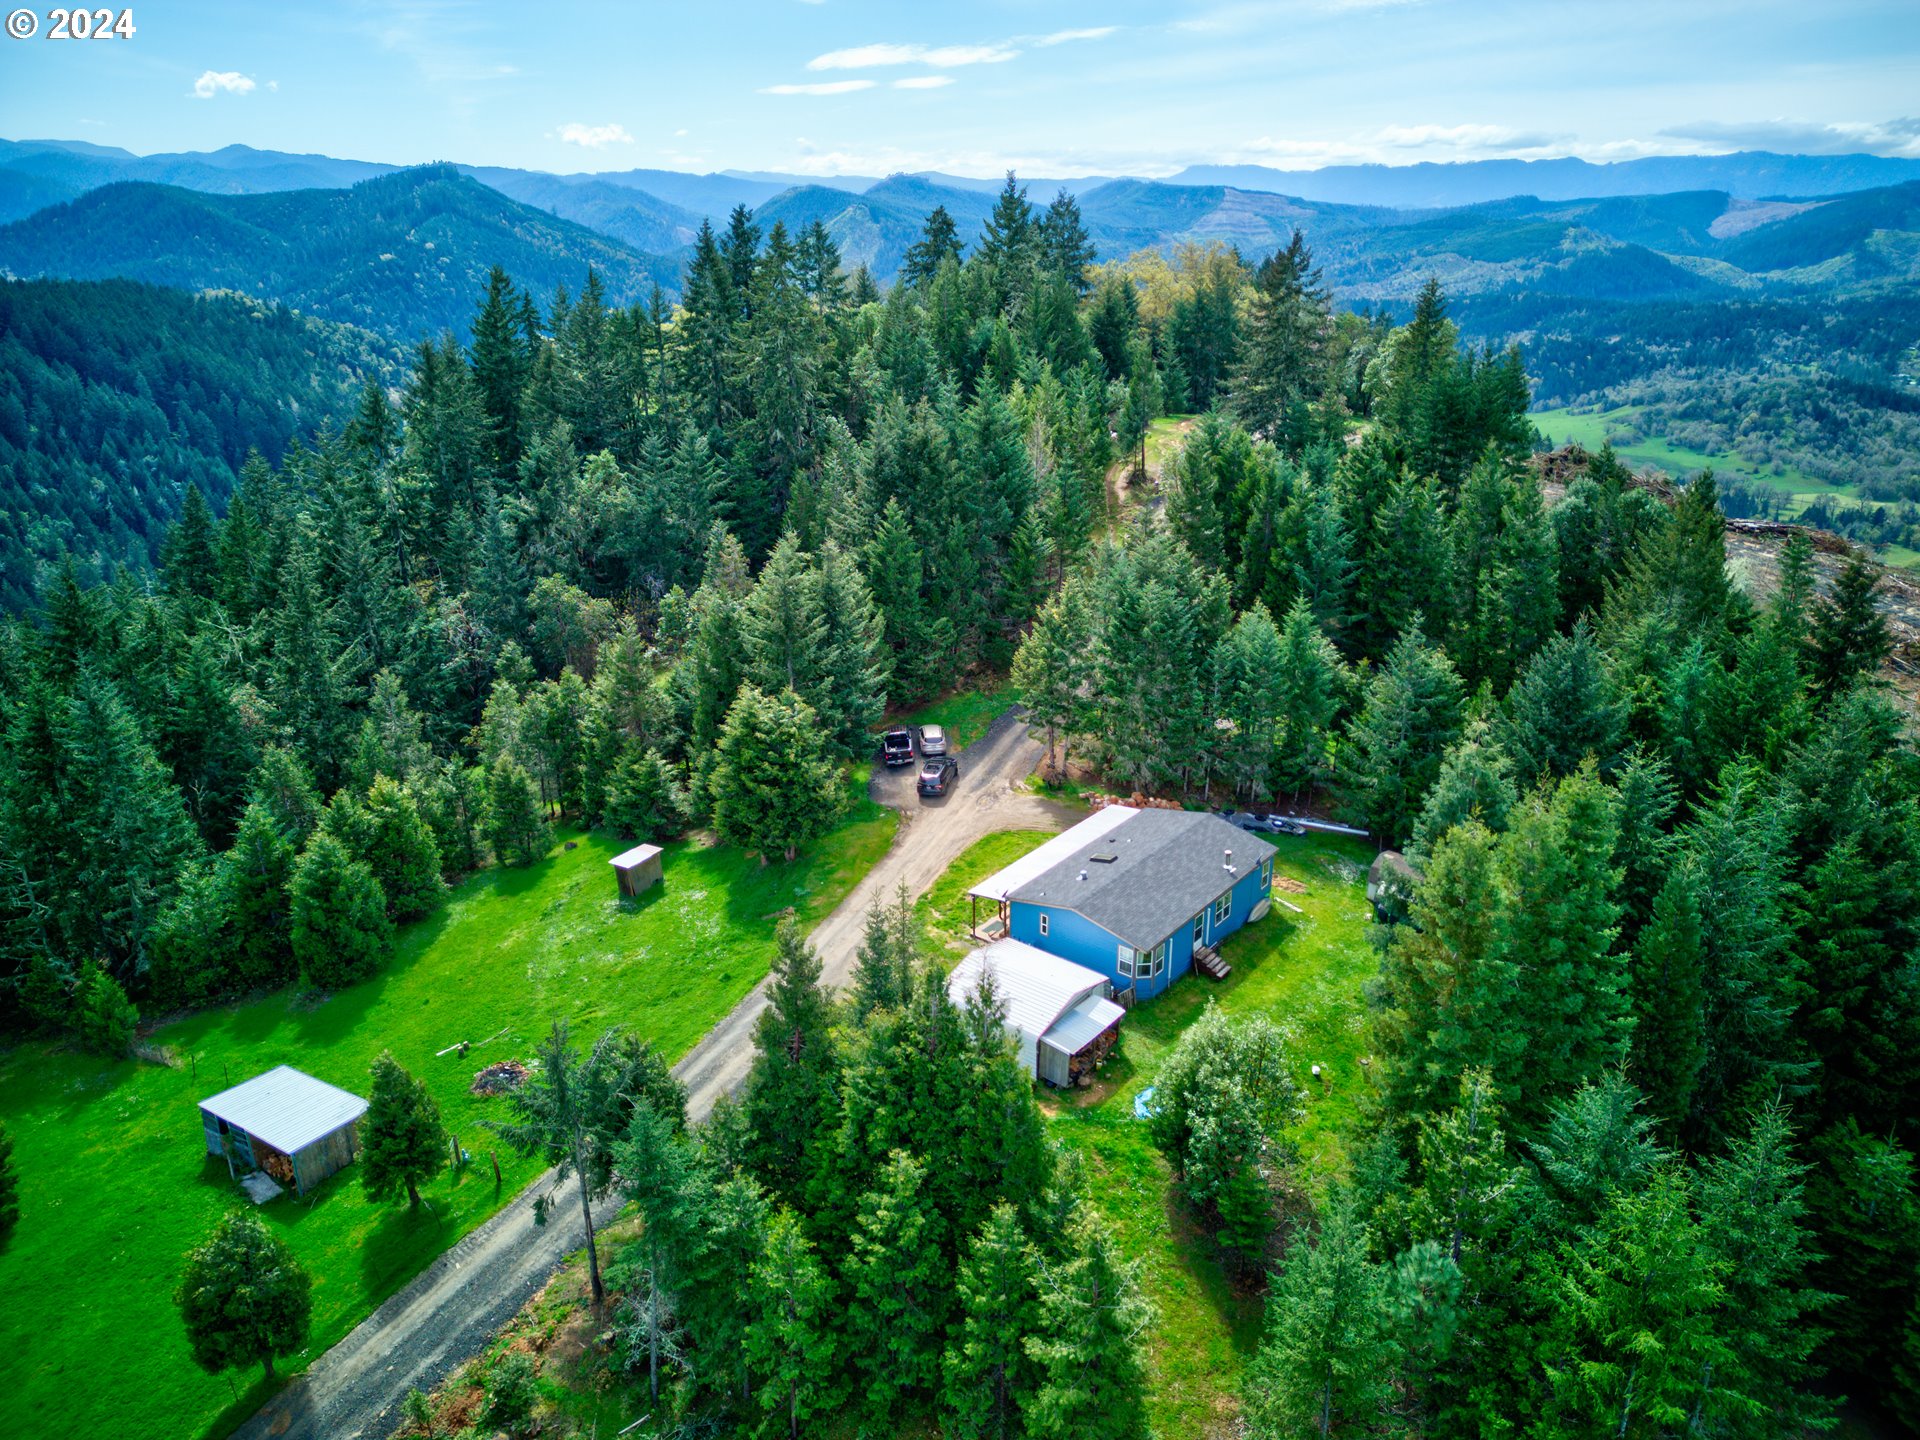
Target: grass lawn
{"points": [[115, 1185], [966, 715], [945, 911], [1306, 971]]}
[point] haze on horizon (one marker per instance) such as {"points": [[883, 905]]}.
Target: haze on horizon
{"points": [[832, 87]]}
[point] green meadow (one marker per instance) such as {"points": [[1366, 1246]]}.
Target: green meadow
{"points": [[116, 1187], [1591, 429]]}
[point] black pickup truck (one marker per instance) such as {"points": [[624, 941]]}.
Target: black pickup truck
{"points": [[896, 747]]}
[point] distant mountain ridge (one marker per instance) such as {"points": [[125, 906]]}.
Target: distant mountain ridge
{"points": [[1746, 175], [403, 255], [406, 253]]}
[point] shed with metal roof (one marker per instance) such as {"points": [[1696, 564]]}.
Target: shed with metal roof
{"points": [[1058, 1013], [297, 1129]]}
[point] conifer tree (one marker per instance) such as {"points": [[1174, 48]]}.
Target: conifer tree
{"points": [[574, 1108], [1249, 680], [988, 1373], [899, 1287], [789, 1095], [1282, 350], [1449, 986], [1008, 242], [1086, 1343], [516, 824], [402, 1142], [243, 1296], [1753, 1215], [1849, 634], [1323, 1367], [1475, 783], [283, 787], [1313, 686], [1563, 708], [188, 558], [340, 930], [791, 1340], [399, 848], [1631, 1352], [667, 1182], [1064, 248], [1669, 1031], [1051, 668], [883, 969], [1395, 745], [642, 797], [1556, 926], [772, 785], [103, 1016]]}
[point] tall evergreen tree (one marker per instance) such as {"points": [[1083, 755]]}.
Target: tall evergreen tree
{"points": [[402, 1142], [989, 1376]]}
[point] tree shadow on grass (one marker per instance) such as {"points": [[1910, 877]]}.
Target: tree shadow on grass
{"points": [[250, 1397], [402, 1242]]}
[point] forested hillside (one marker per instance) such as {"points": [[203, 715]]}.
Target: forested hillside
{"points": [[1645, 1029], [117, 399], [401, 255]]}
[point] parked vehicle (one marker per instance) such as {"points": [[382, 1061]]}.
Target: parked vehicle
{"points": [[896, 747], [1285, 825], [933, 740], [1245, 819], [938, 774]]}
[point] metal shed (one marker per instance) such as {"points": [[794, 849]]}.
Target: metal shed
{"points": [[638, 869], [296, 1128], [1057, 1012]]}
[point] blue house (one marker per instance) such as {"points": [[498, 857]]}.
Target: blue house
{"points": [[1136, 895]]}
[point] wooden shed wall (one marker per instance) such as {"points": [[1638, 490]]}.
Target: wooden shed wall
{"points": [[328, 1154]]}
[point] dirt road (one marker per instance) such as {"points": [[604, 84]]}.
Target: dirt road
{"points": [[450, 1311]]}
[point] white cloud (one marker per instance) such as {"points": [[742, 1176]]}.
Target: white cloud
{"points": [[1459, 137], [1061, 37], [923, 82], [681, 131], [1898, 137], [868, 57], [212, 82], [823, 87], [595, 137]]}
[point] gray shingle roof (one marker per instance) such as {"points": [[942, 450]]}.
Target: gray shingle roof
{"points": [[285, 1107], [1167, 866]]}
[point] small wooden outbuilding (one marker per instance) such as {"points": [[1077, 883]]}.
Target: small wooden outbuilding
{"points": [[297, 1129], [638, 870]]}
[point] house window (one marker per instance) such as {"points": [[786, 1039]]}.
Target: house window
{"points": [[1266, 874], [1043, 924], [1222, 908], [1126, 957], [1200, 929], [1153, 964]]}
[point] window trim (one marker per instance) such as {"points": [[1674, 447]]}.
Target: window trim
{"points": [[1126, 961], [1044, 918], [1223, 907], [1266, 873], [1200, 929]]}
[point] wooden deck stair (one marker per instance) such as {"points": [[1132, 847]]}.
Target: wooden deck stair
{"points": [[1208, 962]]}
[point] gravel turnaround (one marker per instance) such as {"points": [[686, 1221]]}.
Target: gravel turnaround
{"points": [[454, 1306]]}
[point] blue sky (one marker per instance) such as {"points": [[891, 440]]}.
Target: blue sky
{"points": [[858, 86]]}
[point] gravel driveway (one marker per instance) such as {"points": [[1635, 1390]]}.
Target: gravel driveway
{"points": [[456, 1304]]}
